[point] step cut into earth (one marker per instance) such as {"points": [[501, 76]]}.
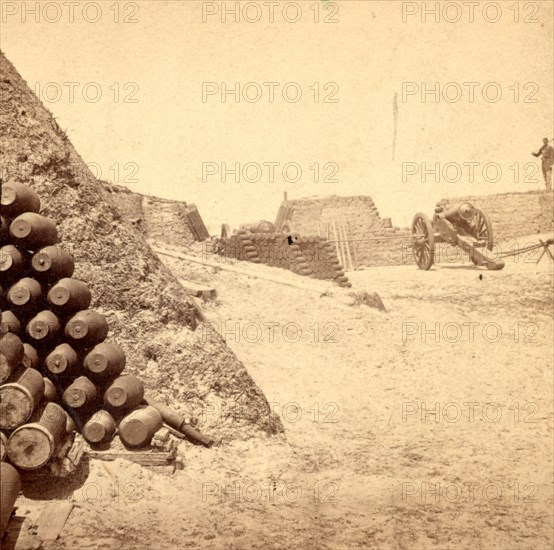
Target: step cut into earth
{"points": [[160, 329]]}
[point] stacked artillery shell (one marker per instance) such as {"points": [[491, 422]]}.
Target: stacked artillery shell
{"points": [[51, 342], [310, 256], [58, 374]]}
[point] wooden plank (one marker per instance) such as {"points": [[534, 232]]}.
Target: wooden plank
{"points": [[311, 286], [145, 458], [347, 245], [52, 520], [337, 242]]}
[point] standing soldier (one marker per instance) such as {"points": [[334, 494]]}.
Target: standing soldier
{"points": [[547, 152]]}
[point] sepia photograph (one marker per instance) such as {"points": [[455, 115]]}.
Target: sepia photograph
{"points": [[276, 275]]}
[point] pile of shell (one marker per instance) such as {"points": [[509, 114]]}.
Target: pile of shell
{"points": [[311, 256]]}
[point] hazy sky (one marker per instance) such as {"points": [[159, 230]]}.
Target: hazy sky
{"points": [[152, 130]]}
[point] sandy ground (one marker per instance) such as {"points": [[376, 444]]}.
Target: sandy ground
{"points": [[425, 426]]}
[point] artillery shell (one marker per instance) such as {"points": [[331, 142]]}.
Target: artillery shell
{"points": [[19, 399], [87, 328], [30, 357], [25, 293], [105, 359], [11, 354], [69, 295], [44, 326], [100, 428], [17, 199], [9, 323], [52, 263], [80, 394], [138, 427], [124, 393], [12, 262], [62, 360], [9, 490], [33, 231], [31, 446]]}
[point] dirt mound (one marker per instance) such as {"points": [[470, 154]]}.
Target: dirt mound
{"points": [[159, 327]]}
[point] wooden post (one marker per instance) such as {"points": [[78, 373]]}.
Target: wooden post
{"points": [[337, 243], [347, 244]]}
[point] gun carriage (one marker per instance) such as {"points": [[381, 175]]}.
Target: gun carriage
{"points": [[463, 225]]}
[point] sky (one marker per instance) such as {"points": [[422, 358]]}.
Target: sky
{"points": [[330, 97]]}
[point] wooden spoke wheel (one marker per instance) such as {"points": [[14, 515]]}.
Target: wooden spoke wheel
{"points": [[225, 231], [286, 228], [424, 241], [481, 228]]}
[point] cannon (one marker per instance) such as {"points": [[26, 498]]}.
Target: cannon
{"points": [[463, 225]]}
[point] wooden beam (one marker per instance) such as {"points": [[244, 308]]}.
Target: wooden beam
{"points": [[52, 520]]}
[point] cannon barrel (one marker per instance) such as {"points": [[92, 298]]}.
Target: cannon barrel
{"points": [[462, 212], [177, 422], [262, 226]]}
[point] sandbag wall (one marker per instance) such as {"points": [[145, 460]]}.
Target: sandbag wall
{"points": [[58, 373], [310, 256]]}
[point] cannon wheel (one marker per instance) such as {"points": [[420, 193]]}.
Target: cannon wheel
{"points": [[286, 228], [481, 228], [424, 241], [225, 231]]}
